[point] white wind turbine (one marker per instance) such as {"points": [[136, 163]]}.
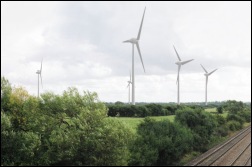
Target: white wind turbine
{"points": [[39, 72], [180, 63], [135, 41], [207, 74], [129, 82]]}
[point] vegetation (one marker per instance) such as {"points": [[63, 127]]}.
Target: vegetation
{"points": [[160, 143], [71, 129], [77, 129]]}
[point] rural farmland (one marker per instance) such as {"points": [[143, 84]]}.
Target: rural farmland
{"points": [[141, 83]]}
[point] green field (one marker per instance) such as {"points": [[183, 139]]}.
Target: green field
{"points": [[211, 110], [214, 111], [134, 122]]}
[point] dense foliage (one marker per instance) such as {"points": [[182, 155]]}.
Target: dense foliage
{"points": [[201, 123], [77, 129], [160, 143], [68, 129], [125, 110]]}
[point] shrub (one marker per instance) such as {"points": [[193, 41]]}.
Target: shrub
{"points": [[200, 122], [235, 117], [234, 125], [220, 109], [221, 131], [220, 119], [160, 143], [246, 115]]}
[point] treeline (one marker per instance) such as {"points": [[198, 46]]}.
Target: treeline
{"points": [[74, 129], [143, 110]]}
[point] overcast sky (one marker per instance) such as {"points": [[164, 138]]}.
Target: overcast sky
{"points": [[81, 45]]}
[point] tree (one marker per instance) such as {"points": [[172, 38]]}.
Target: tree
{"points": [[220, 109], [5, 94], [68, 129], [200, 122], [234, 106], [160, 143]]}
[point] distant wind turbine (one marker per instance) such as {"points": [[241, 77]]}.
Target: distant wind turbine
{"points": [[207, 74], [129, 82], [135, 41], [39, 72], [180, 63]]}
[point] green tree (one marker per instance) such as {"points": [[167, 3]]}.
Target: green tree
{"points": [[5, 94], [160, 143], [220, 109], [200, 122], [234, 106]]}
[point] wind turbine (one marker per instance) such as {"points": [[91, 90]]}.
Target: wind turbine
{"points": [[39, 72], [135, 41], [207, 74], [129, 82], [180, 63]]}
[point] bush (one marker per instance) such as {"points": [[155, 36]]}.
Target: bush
{"points": [[234, 125], [200, 122], [221, 131], [236, 117], [234, 106], [155, 109], [220, 109], [246, 115], [160, 143], [220, 119]]}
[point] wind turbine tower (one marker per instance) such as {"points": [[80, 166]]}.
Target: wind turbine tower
{"points": [[180, 63], [135, 41], [39, 72], [207, 74], [129, 82]]}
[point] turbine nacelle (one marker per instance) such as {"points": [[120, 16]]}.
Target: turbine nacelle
{"points": [[208, 73], [132, 40], [38, 72], [178, 63]]}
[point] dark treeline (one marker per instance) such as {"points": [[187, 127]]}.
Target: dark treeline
{"points": [[121, 109]]}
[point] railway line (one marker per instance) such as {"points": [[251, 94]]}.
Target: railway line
{"points": [[234, 152]]}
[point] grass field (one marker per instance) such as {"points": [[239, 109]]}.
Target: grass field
{"points": [[211, 110], [214, 111], [134, 122]]}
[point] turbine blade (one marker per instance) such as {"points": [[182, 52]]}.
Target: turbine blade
{"points": [[212, 72], [127, 41], [184, 62], [140, 29], [138, 48], [176, 53], [204, 68], [41, 66], [206, 80]]}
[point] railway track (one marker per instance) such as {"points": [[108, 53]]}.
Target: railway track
{"points": [[236, 151]]}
